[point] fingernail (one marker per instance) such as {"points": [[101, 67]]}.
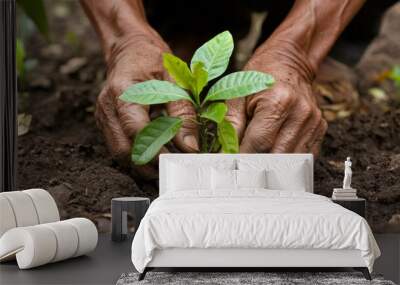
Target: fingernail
{"points": [[191, 142]]}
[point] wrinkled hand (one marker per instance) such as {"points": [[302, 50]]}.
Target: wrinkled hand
{"points": [[285, 118], [131, 60]]}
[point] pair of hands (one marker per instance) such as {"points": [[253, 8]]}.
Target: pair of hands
{"points": [[285, 118]]}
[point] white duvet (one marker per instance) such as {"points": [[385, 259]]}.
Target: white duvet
{"points": [[250, 219]]}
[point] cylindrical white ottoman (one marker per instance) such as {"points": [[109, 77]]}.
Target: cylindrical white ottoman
{"points": [[40, 244], [26, 208], [7, 218], [46, 207]]}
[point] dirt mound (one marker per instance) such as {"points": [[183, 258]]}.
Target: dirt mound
{"points": [[373, 142]]}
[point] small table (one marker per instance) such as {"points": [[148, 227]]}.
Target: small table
{"points": [[120, 208], [356, 205]]}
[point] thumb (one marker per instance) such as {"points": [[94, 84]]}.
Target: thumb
{"points": [[187, 138], [261, 132], [133, 117], [236, 115]]}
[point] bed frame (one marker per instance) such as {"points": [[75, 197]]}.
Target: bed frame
{"points": [[236, 259]]}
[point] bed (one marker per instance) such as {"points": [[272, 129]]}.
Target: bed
{"points": [[247, 211]]}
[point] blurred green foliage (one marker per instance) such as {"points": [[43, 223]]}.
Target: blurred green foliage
{"points": [[20, 58], [36, 11], [23, 64], [395, 76], [72, 39]]}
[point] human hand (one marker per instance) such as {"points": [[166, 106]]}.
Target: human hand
{"points": [[135, 59], [285, 118]]}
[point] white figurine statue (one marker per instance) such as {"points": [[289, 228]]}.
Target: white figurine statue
{"points": [[347, 174]]}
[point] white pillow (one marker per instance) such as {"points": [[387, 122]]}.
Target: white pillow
{"points": [[251, 178], [282, 174], [188, 177], [223, 179], [292, 178]]}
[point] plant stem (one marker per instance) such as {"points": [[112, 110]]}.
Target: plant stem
{"points": [[212, 144], [203, 135]]}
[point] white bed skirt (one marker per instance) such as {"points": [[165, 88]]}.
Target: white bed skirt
{"points": [[235, 257]]}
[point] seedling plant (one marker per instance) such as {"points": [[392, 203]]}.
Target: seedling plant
{"points": [[208, 63]]}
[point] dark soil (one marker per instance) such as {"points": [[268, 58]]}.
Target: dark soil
{"points": [[372, 139], [64, 152]]}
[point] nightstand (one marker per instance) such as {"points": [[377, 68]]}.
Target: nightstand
{"points": [[357, 205], [135, 207]]}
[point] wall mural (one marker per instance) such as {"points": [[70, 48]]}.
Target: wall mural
{"points": [[75, 135]]}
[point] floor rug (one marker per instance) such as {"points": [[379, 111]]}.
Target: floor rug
{"points": [[244, 278]]}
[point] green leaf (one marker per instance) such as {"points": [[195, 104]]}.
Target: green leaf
{"points": [[395, 75], [151, 138], [36, 11], [214, 54], [395, 72], [20, 58], [227, 137], [178, 70], [239, 84], [154, 92], [215, 112], [200, 79]]}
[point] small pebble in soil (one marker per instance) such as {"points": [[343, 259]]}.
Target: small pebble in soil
{"points": [[53, 182]]}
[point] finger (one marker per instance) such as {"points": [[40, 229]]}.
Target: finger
{"points": [[263, 128], [292, 129], [316, 148], [117, 142], [261, 132], [309, 133], [319, 138], [237, 115], [107, 120], [187, 137], [133, 118]]}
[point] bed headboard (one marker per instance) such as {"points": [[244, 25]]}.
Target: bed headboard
{"points": [[209, 159]]}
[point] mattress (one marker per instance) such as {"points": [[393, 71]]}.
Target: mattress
{"points": [[250, 219]]}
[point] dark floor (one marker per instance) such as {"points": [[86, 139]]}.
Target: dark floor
{"points": [[389, 262], [103, 266], [110, 260]]}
